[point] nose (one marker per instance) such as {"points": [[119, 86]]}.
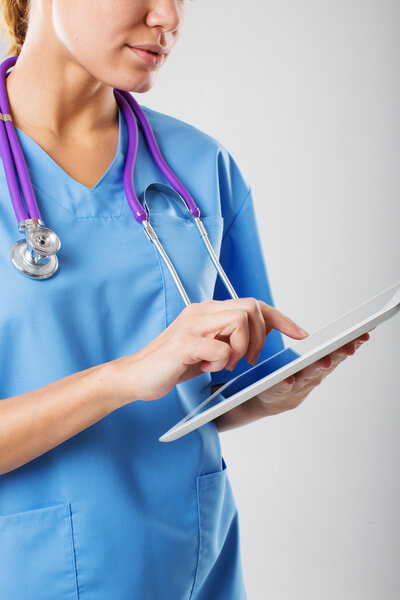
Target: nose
{"points": [[166, 14]]}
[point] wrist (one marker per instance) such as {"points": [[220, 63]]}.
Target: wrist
{"points": [[118, 377], [259, 407]]}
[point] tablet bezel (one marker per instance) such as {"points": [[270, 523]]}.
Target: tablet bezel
{"points": [[188, 423]]}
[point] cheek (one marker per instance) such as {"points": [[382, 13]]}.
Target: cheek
{"points": [[89, 30], [95, 32]]}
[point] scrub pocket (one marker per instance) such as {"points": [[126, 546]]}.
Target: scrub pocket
{"points": [[37, 555], [219, 571]]}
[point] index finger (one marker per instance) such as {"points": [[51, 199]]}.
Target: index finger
{"points": [[275, 319]]}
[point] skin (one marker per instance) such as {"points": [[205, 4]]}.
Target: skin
{"points": [[66, 66], [289, 393], [74, 54]]}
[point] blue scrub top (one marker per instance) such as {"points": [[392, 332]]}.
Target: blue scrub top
{"points": [[112, 513]]}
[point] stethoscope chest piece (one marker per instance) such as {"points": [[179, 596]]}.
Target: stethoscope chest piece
{"points": [[35, 256]]}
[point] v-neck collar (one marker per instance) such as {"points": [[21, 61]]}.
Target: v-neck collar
{"points": [[103, 200]]}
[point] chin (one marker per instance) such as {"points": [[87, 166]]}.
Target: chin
{"points": [[144, 88], [139, 86]]}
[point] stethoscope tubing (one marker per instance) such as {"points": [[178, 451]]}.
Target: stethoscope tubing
{"points": [[13, 157], [157, 156], [30, 220]]}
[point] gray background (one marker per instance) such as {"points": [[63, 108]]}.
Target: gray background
{"points": [[306, 97]]}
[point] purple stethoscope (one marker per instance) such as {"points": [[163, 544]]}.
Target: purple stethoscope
{"points": [[35, 256]]}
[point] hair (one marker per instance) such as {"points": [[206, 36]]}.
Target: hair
{"points": [[14, 17]]}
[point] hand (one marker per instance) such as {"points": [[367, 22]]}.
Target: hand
{"points": [[206, 336], [291, 392]]}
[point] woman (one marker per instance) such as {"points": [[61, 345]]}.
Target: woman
{"points": [[92, 506]]}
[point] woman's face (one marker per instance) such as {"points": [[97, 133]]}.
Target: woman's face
{"points": [[97, 34]]}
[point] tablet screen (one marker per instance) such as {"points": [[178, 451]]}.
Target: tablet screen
{"points": [[244, 380], [299, 348]]}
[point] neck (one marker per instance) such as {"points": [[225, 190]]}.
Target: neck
{"points": [[48, 89]]}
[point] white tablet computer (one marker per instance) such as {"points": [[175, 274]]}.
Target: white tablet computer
{"points": [[290, 360]]}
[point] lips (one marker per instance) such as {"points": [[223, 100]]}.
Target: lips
{"points": [[149, 57], [153, 48]]}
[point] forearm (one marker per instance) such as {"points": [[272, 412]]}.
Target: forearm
{"points": [[34, 422]]}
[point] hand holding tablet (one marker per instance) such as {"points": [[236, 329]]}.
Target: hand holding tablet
{"points": [[290, 392], [288, 361]]}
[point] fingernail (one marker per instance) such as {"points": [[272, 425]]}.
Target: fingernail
{"points": [[301, 331]]}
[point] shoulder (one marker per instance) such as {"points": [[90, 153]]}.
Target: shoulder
{"points": [[202, 162], [190, 136]]}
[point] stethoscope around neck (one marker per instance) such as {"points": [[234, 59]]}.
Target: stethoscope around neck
{"points": [[36, 255]]}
